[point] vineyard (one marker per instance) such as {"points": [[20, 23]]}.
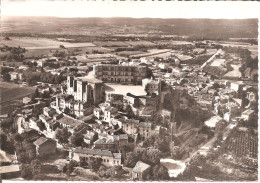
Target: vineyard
{"points": [[243, 144]]}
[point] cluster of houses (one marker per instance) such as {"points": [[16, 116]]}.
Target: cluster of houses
{"points": [[103, 101]]}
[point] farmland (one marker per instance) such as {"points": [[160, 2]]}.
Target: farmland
{"points": [[136, 43], [152, 52], [243, 144], [31, 43], [12, 93], [8, 94], [111, 43], [175, 42]]}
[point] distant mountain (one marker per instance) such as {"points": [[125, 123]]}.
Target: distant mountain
{"points": [[207, 28]]}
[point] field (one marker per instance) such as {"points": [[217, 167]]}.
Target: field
{"points": [[129, 53], [41, 43], [243, 144], [11, 96], [252, 48], [136, 43], [175, 42], [11, 91], [111, 43], [152, 52], [218, 62], [235, 73]]}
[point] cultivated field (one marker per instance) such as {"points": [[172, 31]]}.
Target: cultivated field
{"points": [[175, 42], [41, 43], [252, 48], [129, 53], [111, 43], [11, 91], [136, 43], [243, 144], [152, 52]]}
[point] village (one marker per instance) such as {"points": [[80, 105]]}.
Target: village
{"points": [[146, 118]]}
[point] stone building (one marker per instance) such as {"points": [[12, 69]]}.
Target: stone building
{"points": [[85, 89], [121, 73]]}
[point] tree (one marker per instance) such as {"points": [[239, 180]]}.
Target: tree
{"points": [[36, 167], [63, 136], [37, 94], [62, 46], [130, 160], [95, 137], [6, 77], [94, 163], [6, 124], [6, 38], [66, 110], [76, 139], [160, 172], [18, 138], [163, 143], [3, 138], [151, 156], [36, 111], [26, 172]]}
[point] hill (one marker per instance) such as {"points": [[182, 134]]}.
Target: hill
{"points": [[205, 28]]}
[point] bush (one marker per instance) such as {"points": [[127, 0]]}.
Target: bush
{"points": [[86, 173]]}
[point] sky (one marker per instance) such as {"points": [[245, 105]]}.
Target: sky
{"points": [[148, 9]]}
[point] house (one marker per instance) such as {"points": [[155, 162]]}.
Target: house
{"points": [[140, 171], [10, 172], [109, 113], [145, 129], [45, 146], [129, 126], [98, 112], [121, 139], [23, 67], [14, 76], [108, 158], [215, 123], [68, 122], [27, 100], [247, 114], [40, 62], [104, 144]]}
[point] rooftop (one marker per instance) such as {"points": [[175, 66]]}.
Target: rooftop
{"points": [[93, 151], [140, 167], [145, 124], [41, 141], [69, 121], [248, 112], [213, 121], [90, 80], [9, 169]]}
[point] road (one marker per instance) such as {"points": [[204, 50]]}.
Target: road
{"points": [[210, 59], [210, 143]]}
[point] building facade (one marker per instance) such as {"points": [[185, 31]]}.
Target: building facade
{"points": [[85, 89], [121, 73]]}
